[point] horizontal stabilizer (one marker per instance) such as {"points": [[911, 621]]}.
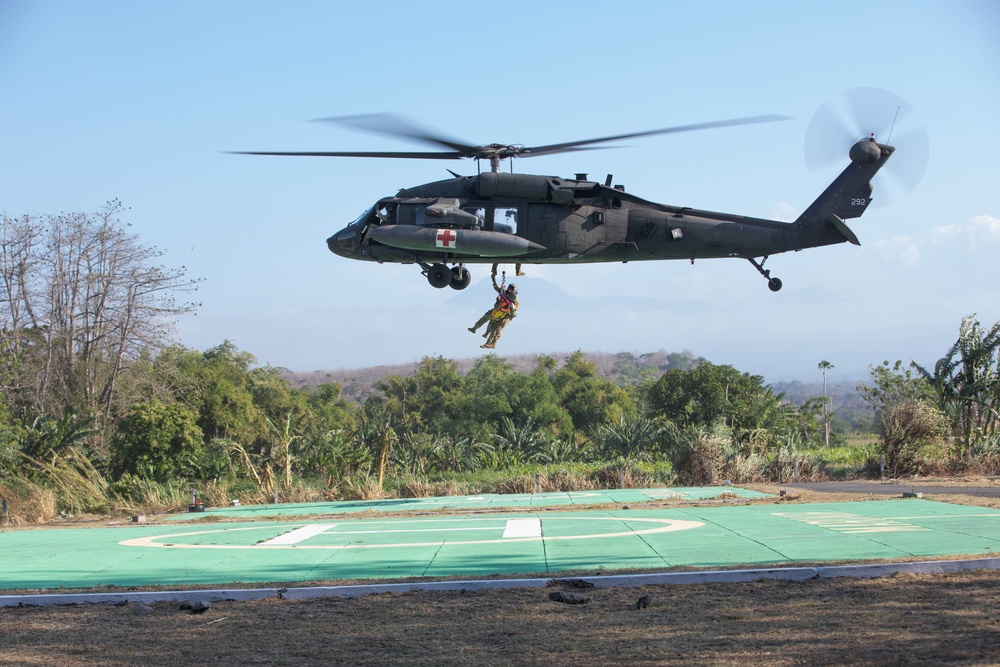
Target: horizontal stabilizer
{"points": [[842, 227]]}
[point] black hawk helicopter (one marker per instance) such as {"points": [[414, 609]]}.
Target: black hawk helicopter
{"points": [[497, 217]]}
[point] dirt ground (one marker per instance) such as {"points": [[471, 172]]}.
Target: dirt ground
{"points": [[902, 620]]}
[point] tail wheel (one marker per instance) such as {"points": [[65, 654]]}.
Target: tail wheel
{"points": [[439, 276], [774, 284], [460, 277]]}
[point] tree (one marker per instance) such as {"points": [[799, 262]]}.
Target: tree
{"points": [[629, 438], [161, 442], [219, 390], [47, 437], [825, 366], [966, 383], [891, 384], [80, 299], [459, 454], [427, 399], [589, 399], [908, 422], [377, 435], [283, 435], [708, 393], [518, 443], [322, 428]]}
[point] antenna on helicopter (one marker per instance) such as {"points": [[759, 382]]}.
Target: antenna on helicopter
{"points": [[893, 126]]}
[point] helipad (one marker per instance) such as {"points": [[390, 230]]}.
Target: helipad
{"points": [[497, 543]]}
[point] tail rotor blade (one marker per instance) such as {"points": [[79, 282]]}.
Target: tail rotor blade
{"points": [[863, 112]]}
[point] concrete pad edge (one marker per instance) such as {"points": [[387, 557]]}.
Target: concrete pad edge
{"points": [[602, 581]]}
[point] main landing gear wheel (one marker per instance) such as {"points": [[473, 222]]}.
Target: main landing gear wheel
{"points": [[439, 276], [460, 277], [773, 284]]}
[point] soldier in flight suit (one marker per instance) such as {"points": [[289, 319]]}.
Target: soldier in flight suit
{"points": [[497, 317]]}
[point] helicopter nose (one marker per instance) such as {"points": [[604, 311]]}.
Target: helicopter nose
{"points": [[344, 242]]}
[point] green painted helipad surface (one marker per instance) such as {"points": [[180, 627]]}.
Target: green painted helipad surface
{"points": [[486, 501], [499, 543]]}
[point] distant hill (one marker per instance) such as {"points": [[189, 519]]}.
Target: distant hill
{"points": [[623, 368], [845, 401]]}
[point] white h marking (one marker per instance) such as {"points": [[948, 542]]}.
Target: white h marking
{"points": [[297, 535], [523, 528]]}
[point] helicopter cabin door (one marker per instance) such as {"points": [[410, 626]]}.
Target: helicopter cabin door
{"points": [[577, 230]]}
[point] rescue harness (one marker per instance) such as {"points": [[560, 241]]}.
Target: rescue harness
{"points": [[504, 305]]}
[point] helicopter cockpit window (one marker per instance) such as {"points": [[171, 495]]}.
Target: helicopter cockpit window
{"points": [[362, 219]]}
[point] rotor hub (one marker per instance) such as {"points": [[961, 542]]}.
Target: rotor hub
{"points": [[866, 151]]}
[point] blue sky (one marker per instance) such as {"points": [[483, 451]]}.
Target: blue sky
{"points": [[140, 101]]}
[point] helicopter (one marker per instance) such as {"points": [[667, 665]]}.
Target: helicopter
{"points": [[495, 216]]}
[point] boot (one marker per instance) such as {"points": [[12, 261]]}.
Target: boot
{"points": [[488, 346], [472, 329]]}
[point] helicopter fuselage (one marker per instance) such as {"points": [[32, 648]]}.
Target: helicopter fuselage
{"points": [[499, 217]]}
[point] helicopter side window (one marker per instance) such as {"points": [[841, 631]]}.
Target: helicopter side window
{"points": [[508, 216]]}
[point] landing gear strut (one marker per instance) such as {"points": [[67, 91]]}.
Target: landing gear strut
{"points": [[773, 284], [441, 276]]}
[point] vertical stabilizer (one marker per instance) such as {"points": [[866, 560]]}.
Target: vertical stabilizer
{"points": [[851, 192]]}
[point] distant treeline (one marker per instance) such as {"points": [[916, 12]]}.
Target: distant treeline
{"points": [[850, 412]]}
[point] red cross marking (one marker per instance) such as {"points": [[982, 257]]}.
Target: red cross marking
{"points": [[446, 238]]}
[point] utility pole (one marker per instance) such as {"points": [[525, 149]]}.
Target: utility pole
{"points": [[824, 366]]}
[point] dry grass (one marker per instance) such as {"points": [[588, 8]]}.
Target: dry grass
{"points": [[927, 620], [909, 619]]}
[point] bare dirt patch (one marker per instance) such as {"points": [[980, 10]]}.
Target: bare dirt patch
{"points": [[903, 620]]}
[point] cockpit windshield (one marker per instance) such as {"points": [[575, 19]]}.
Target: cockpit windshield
{"points": [[360, 222], [381, 213]]}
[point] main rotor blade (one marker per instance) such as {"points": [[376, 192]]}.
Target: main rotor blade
{"points": [[418, 156], [570, 145], [384, 123], [390, 124]]}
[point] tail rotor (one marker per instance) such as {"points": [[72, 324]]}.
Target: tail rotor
{"points": [[857, 114]]}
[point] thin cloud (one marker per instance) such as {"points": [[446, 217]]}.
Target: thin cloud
{"points": [[900, 248], [984, 228]]}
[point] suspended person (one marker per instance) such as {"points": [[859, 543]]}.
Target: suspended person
{"points": [[502, 312]]}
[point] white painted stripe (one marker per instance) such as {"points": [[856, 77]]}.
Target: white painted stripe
{"points": [[411, 530], [523, 528], [299, 534], [887, 529]]}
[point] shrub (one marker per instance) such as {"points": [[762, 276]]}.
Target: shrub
{"points": [[27, 502], [912, 434], [698, 455]]}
